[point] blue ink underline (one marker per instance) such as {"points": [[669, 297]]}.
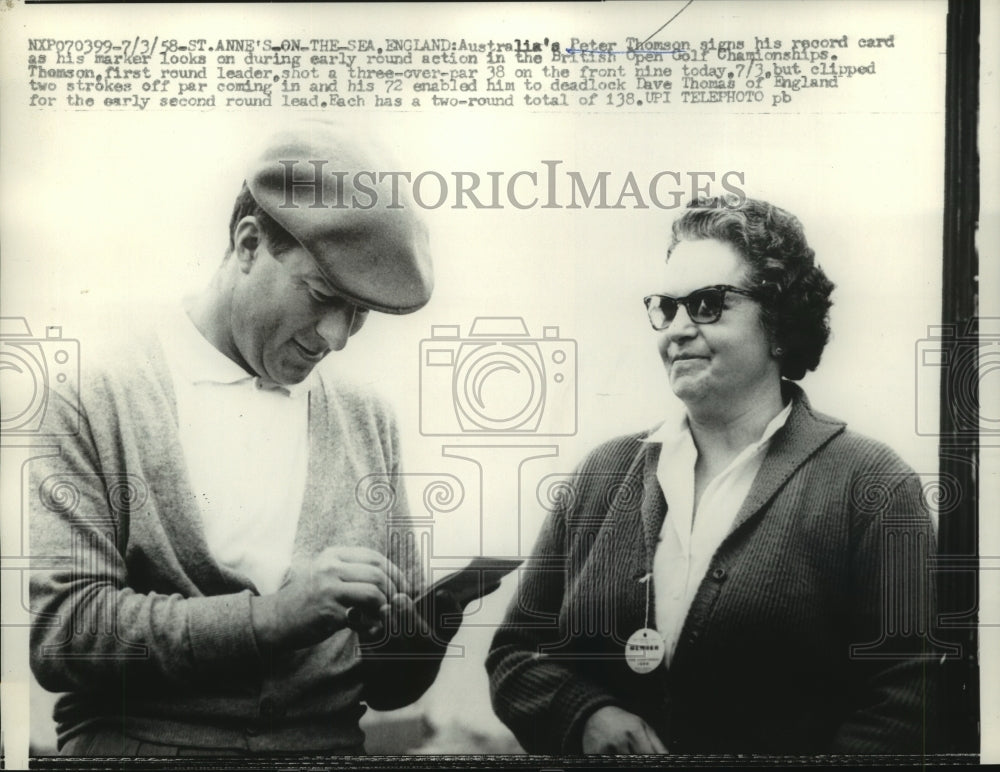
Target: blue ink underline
{"points": [[634, 51]]}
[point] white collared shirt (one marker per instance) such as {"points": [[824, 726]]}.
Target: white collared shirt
{"points": [[246, 447], [689, 540]]}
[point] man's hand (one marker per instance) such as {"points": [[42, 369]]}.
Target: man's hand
{"points": [[313, 602], [407, 627], [398, 618], [613, 730]]}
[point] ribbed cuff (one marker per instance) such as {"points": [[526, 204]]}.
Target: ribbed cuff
{"points": [[220, 629], [576, 703]]}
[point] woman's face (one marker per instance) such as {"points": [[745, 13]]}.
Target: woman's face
{"points": [[727, 362]]}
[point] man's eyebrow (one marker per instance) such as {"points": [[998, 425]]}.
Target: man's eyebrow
{"points": [[312, 273], [314, 277], [333, 293]]}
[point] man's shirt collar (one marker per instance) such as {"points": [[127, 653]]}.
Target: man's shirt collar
{"points": [[199, 362]]}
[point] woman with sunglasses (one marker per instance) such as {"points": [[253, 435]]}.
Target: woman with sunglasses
{"points": [[748, 579]]}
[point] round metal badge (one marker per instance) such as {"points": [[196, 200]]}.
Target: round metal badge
{"points": [[644, 650]]}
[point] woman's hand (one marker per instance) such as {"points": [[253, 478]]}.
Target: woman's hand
{"points": [[613, 730]]}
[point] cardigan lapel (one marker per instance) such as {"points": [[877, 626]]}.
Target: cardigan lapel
{"points": [[310, 524], [803, 434], [654, 506], [183, 525]]}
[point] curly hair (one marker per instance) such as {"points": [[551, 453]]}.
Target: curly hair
{"points": [[793, 291], [277, 239]]}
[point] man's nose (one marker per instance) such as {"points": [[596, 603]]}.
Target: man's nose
{"points": [[336, 324]]}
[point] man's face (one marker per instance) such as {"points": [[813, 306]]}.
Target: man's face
{"points": [[284, 316]]}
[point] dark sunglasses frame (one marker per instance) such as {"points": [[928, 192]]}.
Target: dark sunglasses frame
{"points": [[689, 301]]}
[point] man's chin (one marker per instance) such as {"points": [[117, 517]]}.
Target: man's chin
{"points": [[291, 373]]}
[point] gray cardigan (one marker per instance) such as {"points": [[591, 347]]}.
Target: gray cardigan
{"points": [[140, 627], [808, 634]]}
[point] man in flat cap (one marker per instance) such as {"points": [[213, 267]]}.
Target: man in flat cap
{"points": [[208, 489]]}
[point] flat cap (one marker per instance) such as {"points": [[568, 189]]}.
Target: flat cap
{"points": [[335, 194]]}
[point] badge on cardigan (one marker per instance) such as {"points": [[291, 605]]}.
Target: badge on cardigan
{"points": [[644, 650]]}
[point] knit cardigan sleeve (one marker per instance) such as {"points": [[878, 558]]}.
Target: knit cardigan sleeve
{"points": [[544, 703], [895, 671], [89, 627]]}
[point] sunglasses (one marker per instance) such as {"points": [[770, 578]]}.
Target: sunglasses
{"points": [[704, 306]]}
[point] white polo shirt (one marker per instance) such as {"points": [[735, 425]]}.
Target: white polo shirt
{"points": [[246, 447], [689, 539]]}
